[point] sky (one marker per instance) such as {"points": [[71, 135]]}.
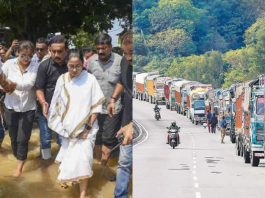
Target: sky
{"points": [[114, 31]]}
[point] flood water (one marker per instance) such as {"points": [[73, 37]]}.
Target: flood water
{"points": [[38, 179]]}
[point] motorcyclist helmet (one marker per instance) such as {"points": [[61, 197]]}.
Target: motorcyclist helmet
{"points": [[173, 124]]}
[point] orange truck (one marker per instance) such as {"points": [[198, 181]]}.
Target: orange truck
{"points": [[180, 101], [139, 85]]}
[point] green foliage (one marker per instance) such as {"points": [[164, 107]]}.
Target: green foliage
{"points": [[178, 15], [31, 19], [219, 41], [83, 39], [172, 42]]}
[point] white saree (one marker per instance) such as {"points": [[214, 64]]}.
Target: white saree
{"points": [[73, 102]]}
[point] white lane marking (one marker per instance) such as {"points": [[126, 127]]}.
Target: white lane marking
{"points": [[195, 178], [147, 134], [196, 185], [194, 166], [194, 162], [198, 195]]}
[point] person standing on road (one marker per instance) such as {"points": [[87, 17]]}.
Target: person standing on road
{"points": [[106, 67], [223, 128], [48, 73], [209, 116], [214, 122]]}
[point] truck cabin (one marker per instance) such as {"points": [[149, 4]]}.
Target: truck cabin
{"points": [[198, 104]]}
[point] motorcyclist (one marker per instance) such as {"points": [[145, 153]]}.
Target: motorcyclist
{"points": [[173, 126], [157, 112], [156, 108]]}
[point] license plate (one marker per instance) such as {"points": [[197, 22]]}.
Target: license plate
{"points": [[259, 154]]}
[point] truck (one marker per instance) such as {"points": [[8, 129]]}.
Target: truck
{"points": [[211, 100], [139, 85], [180, 101], [149, 84], [159, 96], [196, 108], [172, 98], [167, 85], [232, 133], [150, 88], [251, 139]]}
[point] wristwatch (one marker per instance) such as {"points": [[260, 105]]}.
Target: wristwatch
{"points": [[88, 127]]}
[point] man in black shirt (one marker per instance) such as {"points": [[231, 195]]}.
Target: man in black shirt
{"points": [[124, 85], [48, 73]]}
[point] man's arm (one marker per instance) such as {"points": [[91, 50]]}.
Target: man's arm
{"points": [[116, 93], [127, 131], [42, 101]]}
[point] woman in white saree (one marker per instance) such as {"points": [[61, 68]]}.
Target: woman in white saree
{"points": [[73, 113]]}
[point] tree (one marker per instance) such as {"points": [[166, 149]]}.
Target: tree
{"points": [[181, 15], [31, 19], [172, 42]]}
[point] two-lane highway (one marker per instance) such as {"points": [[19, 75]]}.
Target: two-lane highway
{"points": [[201, 167]]}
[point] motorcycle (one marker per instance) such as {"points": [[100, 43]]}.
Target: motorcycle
{"points": [[157, 114], [173, 137]]}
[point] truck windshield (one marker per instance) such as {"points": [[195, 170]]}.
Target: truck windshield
{"points": [[159, 86], [199, 105], [260, 106]]}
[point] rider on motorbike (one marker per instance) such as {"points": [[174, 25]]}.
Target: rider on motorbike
{"points": [[173, 126], [156, 108]]}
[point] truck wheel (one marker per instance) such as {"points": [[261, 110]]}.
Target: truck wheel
{"points": [[196, 122], [237, 150], [232, 138], [254, 160], [246, 156], [241, 151], [167, 106]]}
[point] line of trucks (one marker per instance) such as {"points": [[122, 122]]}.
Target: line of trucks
{"points": [[242, 104]]}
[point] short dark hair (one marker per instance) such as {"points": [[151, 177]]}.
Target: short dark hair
{"points": [[42, 40], [58, 39], [76, 53], [102, 39], [26, 45]]}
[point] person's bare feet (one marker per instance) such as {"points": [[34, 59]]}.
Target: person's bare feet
{"points": [[17, 173], [19, 168]]}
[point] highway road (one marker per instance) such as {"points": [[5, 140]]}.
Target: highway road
{"points": [[201, 167]]}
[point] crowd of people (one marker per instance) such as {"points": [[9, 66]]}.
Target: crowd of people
{"points": [[82, 95]]}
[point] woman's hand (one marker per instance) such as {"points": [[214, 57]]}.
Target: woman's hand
{"points": [[83, 134]]}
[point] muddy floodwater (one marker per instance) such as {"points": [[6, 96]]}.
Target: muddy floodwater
{"points": [[38, 179]]}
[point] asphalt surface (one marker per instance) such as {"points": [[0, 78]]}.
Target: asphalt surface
{"points": [[201, 167]]}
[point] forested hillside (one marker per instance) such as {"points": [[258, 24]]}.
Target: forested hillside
{"points": [[211, 41]]}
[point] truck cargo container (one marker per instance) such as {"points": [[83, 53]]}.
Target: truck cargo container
{"points": [[139, 84], [251, 139]]}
